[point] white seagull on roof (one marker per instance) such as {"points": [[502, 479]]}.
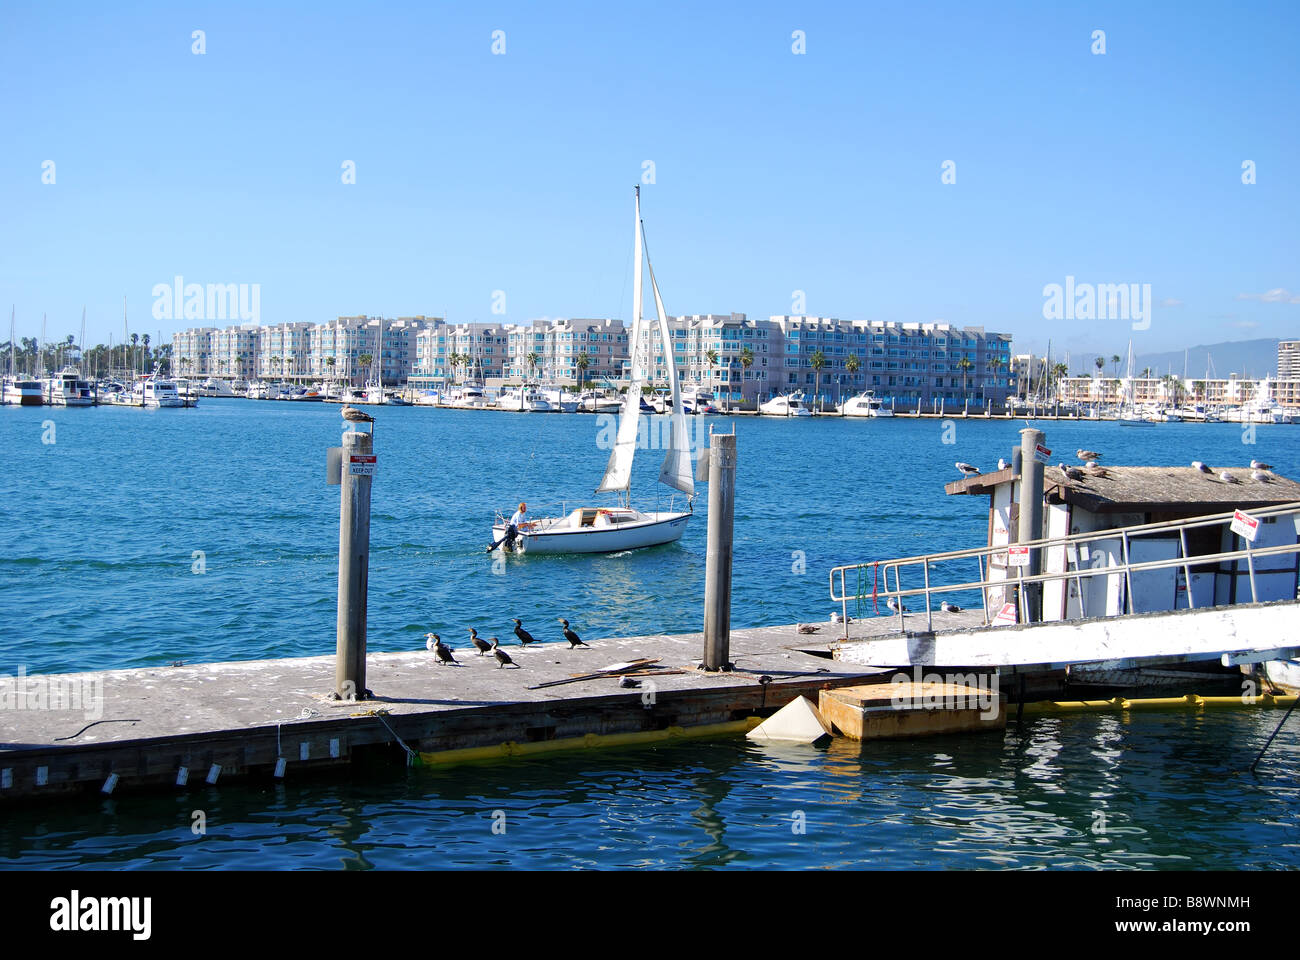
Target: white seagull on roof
{"points": [[1197, 465]]}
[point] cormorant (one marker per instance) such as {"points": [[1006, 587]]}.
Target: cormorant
{"points": [[435, 644], [479, 643], [573, 638], [503, 658], [525, 638]]}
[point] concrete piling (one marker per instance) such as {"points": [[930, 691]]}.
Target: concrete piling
{"points": [[717, 573], [1031, 517], [354, 565]]}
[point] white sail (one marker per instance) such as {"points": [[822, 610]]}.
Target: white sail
{"points": [[676, 470], [618, 472]]}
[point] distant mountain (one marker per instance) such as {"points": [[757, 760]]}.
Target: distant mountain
{"points": [[1254, 359]]}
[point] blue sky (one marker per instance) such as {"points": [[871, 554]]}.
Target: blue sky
{"points": [[774, 172]]}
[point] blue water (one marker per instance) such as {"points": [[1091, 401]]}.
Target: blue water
{"points": [[96, 558], [1083, 792], [98, 545]]}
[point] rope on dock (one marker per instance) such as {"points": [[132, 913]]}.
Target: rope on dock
{"points": [[379, 715], [89, 725]]}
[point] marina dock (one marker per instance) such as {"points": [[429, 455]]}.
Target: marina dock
{"points": [[169, 726]]}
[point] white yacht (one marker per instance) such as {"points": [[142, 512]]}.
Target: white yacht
{"points": [[786, 405], [23, 391], [68, 389], [524, 399], [470, 395], [596, 402], [618, 528], [865, 404], [154, 393]]}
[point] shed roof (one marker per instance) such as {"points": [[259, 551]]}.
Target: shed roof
{"points": [[1157, 489]]}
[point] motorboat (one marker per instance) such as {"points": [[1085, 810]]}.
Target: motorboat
{"points": [[865, 404], [524, 399], [23, 391], [594, 402], [68, 389], [154, 393], [622, 527], [785, 405]]}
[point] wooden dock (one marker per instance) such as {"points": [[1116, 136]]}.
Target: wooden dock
{"points": [[179, 726]]}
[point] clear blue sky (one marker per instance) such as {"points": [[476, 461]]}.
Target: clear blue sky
{"points": [[774, 172]]}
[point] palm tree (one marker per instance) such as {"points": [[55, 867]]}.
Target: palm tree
{"points": [[532, 364], [817, 362], [145, 341], [1101, 363], [1115, 361], [365, 361], [329, 365], [582, 363], [746, 361], [712, 357], [965, 366]]}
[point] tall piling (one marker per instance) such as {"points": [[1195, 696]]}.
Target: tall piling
{"points": [[1031, 516], [717, 570], [354, 565]]}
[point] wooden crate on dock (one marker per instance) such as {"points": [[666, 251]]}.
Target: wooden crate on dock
{"points": [[914, 709]]}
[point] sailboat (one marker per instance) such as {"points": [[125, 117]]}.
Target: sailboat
{"points": [[1128, 415], [622, 527]]}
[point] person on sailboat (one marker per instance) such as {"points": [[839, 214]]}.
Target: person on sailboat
{"points": [[518, 521]]}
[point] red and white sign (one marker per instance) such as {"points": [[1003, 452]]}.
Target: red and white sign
{"points": [[362, 464], [1017, 556], [1042, 454], [1005, 616], [1244, 525]]}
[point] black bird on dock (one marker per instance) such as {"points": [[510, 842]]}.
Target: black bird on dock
{"points": [[503, 658], [525, 638], [435, 645], [573, 638], [481, 645]]}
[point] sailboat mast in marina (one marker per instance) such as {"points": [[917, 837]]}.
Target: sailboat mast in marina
{"points": [[604, 530]]}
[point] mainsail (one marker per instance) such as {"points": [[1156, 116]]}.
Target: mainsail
{"points": [[676, 471], [618, 472]]}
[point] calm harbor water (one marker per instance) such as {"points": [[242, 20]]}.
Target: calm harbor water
{"points": [[98, 550]]}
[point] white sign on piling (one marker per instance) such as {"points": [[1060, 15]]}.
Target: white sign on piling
{"points": [[1017, 556], [1042, 454], [362, 464], [1244, 525]]}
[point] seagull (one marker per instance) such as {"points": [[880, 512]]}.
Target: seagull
{"points": [[353, 415], [503, 658], [573, 638], [1071, 473], [1260, 465], [525, 638], [967, 470], [1087, 454], [947, 607], [1226, 477], [1261, 476], [1197, 465], [629, 682], [479, 643], [1002, 464], [435, 644], [893, 605]]}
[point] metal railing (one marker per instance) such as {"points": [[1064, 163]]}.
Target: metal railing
{"points": [[1076, 551]]}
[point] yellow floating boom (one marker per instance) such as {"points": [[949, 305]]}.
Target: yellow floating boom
{"points": [[1190, 702], [513, 748]]}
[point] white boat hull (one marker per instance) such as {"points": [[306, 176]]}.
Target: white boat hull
{"points": [[659, 528]]}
